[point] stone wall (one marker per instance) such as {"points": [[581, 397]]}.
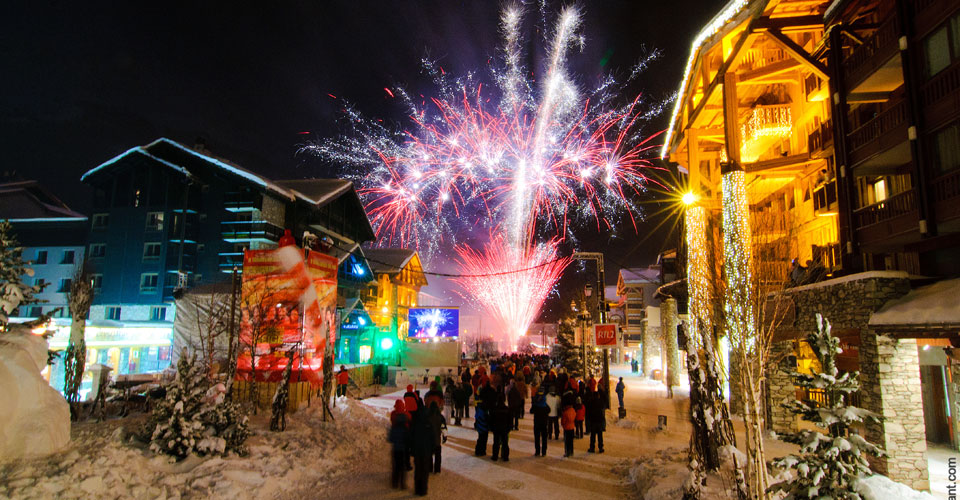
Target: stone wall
{"points": [[780, 387], [847, 302], [890, 387]]}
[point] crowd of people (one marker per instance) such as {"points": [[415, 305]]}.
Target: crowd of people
{"points": [[498, 391]]}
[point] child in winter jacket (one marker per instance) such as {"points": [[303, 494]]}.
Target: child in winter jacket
{"points": [[568, 419], [581, 416]]}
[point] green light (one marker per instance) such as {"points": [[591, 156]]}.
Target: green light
{"points": [[386, 343]]}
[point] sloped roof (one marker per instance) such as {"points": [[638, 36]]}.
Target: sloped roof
{"points": [[28, 200], [316, 191], [388, 260], [188, 162], [639, 275]]}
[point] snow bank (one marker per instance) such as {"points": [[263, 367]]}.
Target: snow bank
{"points": [[880, 487], [102, 462], [35, 420]]}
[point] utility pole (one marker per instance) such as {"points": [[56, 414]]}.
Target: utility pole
{"points": [[601, 306]]}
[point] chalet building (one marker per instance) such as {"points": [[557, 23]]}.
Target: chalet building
{"points": [[636, 288], [821, 146], [167, 217], [398, 279]]}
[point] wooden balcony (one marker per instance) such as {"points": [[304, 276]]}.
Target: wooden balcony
{"points": [[928, 14], [821, 139], [888, 224], [875, 65], [940, 97], [881, 141], [946, 197]]}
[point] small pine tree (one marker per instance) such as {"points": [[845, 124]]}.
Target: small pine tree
{"points": [[833, 460], [569, 352], [278, 419], [13, 291], [179, 427]]}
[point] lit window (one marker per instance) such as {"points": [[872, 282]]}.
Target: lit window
{"points": [[880, 190], [154, 221], [148, 282]]}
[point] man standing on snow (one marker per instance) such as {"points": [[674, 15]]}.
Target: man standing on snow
{"points": [[553, 402], [541, 416], [620, 388], [501, 421], [343, 378]]}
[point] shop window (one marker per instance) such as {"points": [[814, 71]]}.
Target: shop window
{"points": [[154, 221], [65, 284], [41, 257], [148, 282], [113, 313], [100, 221], [98, 250], [947, 148], [151, 251]]}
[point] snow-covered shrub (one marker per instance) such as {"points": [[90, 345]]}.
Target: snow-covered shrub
{"points": [[186, 422], [14, 292], [831, 461]]}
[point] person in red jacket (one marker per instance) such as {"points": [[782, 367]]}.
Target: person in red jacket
{"points": [[343, 378], [410, 400], [568, 421]]}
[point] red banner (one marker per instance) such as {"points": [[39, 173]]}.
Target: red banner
{"points": [[605, 335], [287, 304]]}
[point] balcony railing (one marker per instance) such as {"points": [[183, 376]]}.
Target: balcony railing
{"points": [[941, 97], [241, 202], [877, 126], [894, 206], [236, 231], [875, 51], [821, 138], [946, 195]]}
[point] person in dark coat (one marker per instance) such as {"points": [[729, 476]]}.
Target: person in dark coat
{"points": [[437, 423], [486, 397], [424, 444], [515, 402], [541, 418], [461, 396], [434, 395], [399, 437], [620, 388], [501, 422], [596, 418]]}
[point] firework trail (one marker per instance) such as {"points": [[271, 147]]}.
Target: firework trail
{"points": [[525, 161], [513, 300]]}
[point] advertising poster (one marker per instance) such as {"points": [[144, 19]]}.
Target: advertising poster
{"points": [[286, 304]]}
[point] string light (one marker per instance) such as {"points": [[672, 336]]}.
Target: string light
{"points": [[765, 123], [695, 220], [738, 303]]}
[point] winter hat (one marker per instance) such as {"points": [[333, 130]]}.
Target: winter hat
{"points": [[399, 406], [409, 387], [433, 385]]}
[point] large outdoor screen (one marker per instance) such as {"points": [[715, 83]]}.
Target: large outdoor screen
{"points": [[433, 322]]}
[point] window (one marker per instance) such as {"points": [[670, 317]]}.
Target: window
{"points": [[154, 221], [946, 143], [197, 278], [171, 279], [880, 190], [158, 313], [65, 284], [100, 221], [34, 312], [942, 47], [41, 257], [151, 251], [68, 257], [98, 250], [200, 247], [148, 282], [113, 313], [96, 281], [40, 283]]}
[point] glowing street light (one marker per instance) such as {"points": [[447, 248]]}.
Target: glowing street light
{"points": [[689, 198]]}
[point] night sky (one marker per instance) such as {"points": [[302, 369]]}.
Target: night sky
{"points": [[84, 81]]}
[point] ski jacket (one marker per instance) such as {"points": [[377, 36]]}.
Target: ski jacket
{"points": [[343, 377], [568, 419], [553, 402]]}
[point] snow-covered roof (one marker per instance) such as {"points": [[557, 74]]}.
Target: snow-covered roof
{"points": [[28, 201], [850, 277], [930, 305], [640, 275], [388, 260]]}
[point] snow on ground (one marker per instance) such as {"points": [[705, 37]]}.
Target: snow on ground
{"points": [[102, 462]]}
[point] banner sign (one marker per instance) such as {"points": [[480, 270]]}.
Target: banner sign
{"points": [[605, 335], [287, 303]]}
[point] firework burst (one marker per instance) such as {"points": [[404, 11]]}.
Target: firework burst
{"points": [[527, 160]]}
